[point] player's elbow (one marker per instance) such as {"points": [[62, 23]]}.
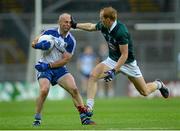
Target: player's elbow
{"points": [[67, 57], [66, 61], [33, 45]]}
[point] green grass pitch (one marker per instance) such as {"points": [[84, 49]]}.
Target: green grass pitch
{"points": [[109, 114]]}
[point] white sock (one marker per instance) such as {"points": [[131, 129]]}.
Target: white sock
{"points": [[158, 84], [90, 103]]}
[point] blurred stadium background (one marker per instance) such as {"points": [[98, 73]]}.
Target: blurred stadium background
{"points": [[154, 26]]}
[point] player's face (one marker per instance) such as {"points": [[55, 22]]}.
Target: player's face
{"points": [[65, 23], [105, 21]]}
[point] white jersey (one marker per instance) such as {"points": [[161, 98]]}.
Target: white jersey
{"points": [[54, 54], [51, 56]]}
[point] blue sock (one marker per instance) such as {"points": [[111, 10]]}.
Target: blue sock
{"points": [[37, 116]]}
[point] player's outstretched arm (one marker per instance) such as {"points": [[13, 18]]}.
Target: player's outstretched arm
{"points": [[83, 26], [86, 26]]}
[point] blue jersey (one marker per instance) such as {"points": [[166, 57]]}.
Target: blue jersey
{"points": [[54, 74], [55, 54]]}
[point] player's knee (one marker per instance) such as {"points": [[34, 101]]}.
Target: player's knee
{"points": [[93, 77], [44, 91]]}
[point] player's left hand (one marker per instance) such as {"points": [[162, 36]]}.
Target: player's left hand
{"points": [[41, 66], [73, 23], [110, 75]]}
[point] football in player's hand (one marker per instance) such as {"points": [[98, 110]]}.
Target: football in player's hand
{"points": [[47, 38]]}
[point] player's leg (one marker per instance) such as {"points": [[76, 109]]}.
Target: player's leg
{"points": [[146, 89], [135, 76], [96, 74], [44, 89], [143, 88], [68, 83]]}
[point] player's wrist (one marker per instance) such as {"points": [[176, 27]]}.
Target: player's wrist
{"points": [[49, 65], [74, 25], [113, 70]]}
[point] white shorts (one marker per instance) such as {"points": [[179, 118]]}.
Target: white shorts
{"points": [[130, 69]]}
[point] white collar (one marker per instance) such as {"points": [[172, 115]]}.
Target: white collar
{"points": [[60, 33], [113, 25]]}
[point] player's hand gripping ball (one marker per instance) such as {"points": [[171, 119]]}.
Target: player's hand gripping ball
{"points": [[48, 42]]}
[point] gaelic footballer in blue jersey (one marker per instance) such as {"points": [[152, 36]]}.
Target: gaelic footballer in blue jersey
{"points": [[121, 56], [51, 67]]}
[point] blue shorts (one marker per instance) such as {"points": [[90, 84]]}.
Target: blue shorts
{"points": [[53, 74]]}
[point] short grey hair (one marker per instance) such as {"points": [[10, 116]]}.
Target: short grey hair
{"points": [[63, 15]]}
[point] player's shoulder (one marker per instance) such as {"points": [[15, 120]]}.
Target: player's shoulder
{"points": [[51, 31], [121, 26], [120, 29], [99, 26], [71, 37]]}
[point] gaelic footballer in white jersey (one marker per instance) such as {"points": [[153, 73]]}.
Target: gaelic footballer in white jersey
{"points": [[58, 45]]}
